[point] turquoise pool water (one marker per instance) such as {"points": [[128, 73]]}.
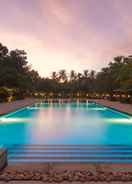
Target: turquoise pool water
{"points": [[71, 123]]}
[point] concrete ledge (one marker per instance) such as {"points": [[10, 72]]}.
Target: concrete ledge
{"points": [[60, 167]]}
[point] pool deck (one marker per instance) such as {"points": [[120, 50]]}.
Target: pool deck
{"points": [[126, 108], [41, 182], [101, 174], [12, 106]]}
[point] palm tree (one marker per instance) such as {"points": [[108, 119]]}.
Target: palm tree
{"points": [[62, 76], [79, 76], [73, 76], [85, 74], [54, 76], [92, 75]]}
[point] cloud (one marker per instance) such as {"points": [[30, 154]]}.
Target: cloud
{"points": [[71, 34], [60, 12], [57, 11]]}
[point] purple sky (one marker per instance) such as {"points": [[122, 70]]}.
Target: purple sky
{"points": [[69, 34]]}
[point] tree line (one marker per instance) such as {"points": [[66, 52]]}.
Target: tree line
{"points": [[18, 77]]}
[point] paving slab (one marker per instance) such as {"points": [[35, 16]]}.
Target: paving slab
{"points": [[12, 106], [39, 182], [127, 108]]}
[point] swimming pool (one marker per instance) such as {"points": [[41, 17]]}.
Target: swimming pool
{"points": [[69, 123], [66, 124]]}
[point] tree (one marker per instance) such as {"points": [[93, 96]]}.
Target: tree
{"points": [[54, 76], [73, 76], [125, 76], [17, 74], [62, 76], [85, 74], [3, 51]]}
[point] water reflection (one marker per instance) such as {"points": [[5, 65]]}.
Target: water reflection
{"points": [[75, 123], [66, 125]]}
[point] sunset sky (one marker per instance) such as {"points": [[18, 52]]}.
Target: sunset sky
{"points": [[67, 34]]}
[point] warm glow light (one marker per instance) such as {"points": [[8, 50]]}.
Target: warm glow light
{"points": [[88, 109], [119, 120], [27, 120], [67, 35], [9, 120]]}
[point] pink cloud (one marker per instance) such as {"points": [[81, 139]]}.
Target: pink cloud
{"points": [[70, 34]]}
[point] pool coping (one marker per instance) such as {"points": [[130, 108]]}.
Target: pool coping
{"points": [[100, 167], [99, 103], [19, 108], [16, 109], [113, 108]]}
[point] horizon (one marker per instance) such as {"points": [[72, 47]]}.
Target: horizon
{"points": [[63, 34]]}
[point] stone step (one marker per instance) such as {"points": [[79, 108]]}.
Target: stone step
{"points": [[71, 145], [70, 148], [69, 153], [72, 157], [40, 161]]}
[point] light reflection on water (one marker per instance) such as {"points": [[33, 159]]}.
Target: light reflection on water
{"points": [[66, 124]]}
